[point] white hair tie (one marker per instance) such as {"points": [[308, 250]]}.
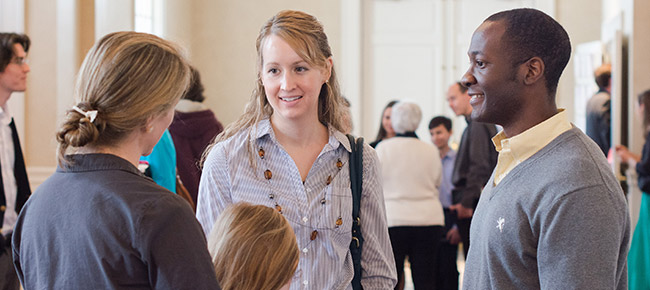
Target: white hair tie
{"points": [[90, 114]]}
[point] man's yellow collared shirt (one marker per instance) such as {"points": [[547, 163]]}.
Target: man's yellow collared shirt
{"points": [[517, 149]]}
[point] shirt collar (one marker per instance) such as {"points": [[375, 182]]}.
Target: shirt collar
{"points": [[98, 161], [5, 115], [336, 138], [527, 143], [450, 154]]}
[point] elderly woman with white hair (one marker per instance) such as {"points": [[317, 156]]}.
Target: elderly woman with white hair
{"points": [[411, 170]]}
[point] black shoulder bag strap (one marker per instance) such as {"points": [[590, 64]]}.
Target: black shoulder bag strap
{"points": [[356, 181]]}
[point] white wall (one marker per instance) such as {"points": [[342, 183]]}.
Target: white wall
{"points": [[582, 21]]}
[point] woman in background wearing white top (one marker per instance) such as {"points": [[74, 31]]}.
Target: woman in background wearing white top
{"points": [[287, 152], [411, 170]]}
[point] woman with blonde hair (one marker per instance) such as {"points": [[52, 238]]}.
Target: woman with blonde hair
{"points": [[253, 247], [97, 222], [287, 152]]}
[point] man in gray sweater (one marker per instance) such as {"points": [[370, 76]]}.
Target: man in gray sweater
{"points": [[552, 215]]}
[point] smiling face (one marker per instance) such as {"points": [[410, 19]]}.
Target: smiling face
{"points": [[493, 81], [292, 85], [14, 76]]}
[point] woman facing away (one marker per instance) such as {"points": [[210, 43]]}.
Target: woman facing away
{"points": [[638, 259], [287, 152], [253, 247], [385, 128], [412, 172], [97, 222]]}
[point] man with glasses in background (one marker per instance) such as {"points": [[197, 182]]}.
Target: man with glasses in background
{"points": [[14, 185]]}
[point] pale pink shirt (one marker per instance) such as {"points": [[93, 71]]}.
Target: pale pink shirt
{"points": [[7, 159], [517, 149]]}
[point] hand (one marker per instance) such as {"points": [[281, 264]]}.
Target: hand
{"points": [[453, 236], [461, 211], [625, 154]]}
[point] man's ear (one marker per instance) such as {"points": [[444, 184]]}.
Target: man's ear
{"points": [[534, 69]]}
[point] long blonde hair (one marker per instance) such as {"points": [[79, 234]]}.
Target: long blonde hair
{"points": [[253, 247], [127, 77], [305, 34]]}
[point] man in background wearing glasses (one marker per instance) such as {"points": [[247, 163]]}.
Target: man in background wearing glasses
{"points": [[14, 186]]}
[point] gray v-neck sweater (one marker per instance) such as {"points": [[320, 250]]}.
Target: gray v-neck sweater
{"points": [[558, 220]]}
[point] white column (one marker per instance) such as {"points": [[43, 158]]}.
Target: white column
{"points": [[349, 67], [66, 55]]}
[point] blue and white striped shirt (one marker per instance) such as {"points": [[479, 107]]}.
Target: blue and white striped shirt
{"points": [[315, 205]]}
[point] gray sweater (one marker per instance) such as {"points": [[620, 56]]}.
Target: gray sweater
{"points": [[558, 220]]}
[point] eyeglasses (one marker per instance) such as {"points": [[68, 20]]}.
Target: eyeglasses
{"points": [[19, 60]]}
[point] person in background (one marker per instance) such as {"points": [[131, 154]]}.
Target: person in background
{"points": [[14, 183], [287, 152], [97, 222], [638, 260], [192, 129], [474, 162], [162, 162], [411, 171], [253, 247], [385, 129], [447, 275], [599, 109], [553, 215]]}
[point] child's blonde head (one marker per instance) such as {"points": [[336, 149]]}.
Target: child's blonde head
{"points": [[253, 247]]}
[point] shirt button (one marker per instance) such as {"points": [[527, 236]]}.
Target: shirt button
{"points": [[305, 219], [308, 189], [305, 282], [305, 250]]}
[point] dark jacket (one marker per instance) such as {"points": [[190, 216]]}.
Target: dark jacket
{"points": [[643, 167], [192, 132], [22, 183], [598, 120], [475, 160], [99, 223]]}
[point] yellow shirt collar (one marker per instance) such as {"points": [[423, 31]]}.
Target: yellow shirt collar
{"points": [[517, 149]]}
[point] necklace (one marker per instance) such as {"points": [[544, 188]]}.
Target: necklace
{"points": [[268, 175]]}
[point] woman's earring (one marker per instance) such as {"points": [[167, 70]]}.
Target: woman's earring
{"points": [[150, 129]]}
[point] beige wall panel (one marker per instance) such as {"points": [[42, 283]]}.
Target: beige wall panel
{"points": [[40, 97], [582, 20]]}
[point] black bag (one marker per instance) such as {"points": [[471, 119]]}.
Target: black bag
{"points": [[356, 181]]}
